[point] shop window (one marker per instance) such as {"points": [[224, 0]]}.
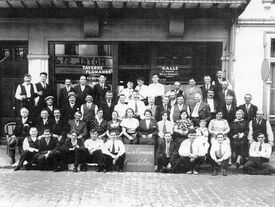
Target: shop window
{"points": [[272, 52], [134, 53], [182, 61]]}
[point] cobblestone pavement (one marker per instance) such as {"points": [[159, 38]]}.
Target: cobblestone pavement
{"points": [[68, 189]]}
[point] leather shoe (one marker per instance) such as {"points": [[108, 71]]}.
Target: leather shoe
{"points": [[104, 170], [75, 169], [17, 168], [12, 161], [224, 172], [215, 172]]}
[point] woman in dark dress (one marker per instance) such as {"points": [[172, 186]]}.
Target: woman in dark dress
{"points": [[114, 125], [238, 138]]}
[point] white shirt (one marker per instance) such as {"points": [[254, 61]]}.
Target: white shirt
{"points": [[82, 87], [184, 149], [28, 91], [195, 112], [121, 110], [211, 104], [226, 151], [156, 89], [147, 122], [128, 94], [169, 127], [254, 150], [119, 147], [26, 146], [140, 106], [143, 91], [24, 120], [93, 145]]}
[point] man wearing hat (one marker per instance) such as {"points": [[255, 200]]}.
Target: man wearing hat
{"points": [[49, 106], [70, 107], [30, 147], [21, 131]]}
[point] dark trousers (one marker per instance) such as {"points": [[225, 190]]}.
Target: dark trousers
{"points": [[46, 163], [188, 165], [196, 121], [162, 161], [178, 138], [20, 147], [258, 166], [239, 147], [108, 161], [27, 156], [96, 157], [215, 166], [76, 156]]}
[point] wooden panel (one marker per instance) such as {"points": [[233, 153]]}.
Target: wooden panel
{"points": [[132, 4], [206, 6], [234, 6], [4, 4], [147, 5], [72, 4], [88, 4], [44, 3], [191, 5], [30, 4], [162, 5], [103, 4], [16, 4], [91, 26], [222, 6], [176, 5], [176, 27], [117, 5]]}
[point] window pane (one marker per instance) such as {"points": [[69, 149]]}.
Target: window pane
{"points": [[60, 49], [272, 52]]}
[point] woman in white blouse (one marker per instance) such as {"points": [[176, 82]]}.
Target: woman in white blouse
{"points": [[129, 127]]}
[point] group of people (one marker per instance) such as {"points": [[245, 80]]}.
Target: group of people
{"points": [[186, 125]]}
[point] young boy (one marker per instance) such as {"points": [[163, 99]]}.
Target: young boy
{"points": [[113, 153], [220, 153]]}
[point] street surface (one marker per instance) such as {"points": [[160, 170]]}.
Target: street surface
{"points": [[68, 189]]}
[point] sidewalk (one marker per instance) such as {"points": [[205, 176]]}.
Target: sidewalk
{"points": [[5, 159]]}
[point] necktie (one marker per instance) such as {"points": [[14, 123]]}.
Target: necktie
{"points": [[228, 108], [207, 87], [167, 150], [247, 108], [260, 148], [113, 148], [191, 148], [136, 107], [88, 105], [164, 130], [220, 151]]}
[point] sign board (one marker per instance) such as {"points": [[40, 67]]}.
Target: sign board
{"points": [[83, 65], [265, 70], [139, 158]]}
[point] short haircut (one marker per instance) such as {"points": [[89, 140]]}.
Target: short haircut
{"points": [[24, 108], [27, 76], [135, 91], [220, 134], [164, 112], [167, 133], [241, 111], [149, 111], [141, 78], [128, 110], [74, 132], [43, 73], [179, 96], [93, 131], [184, 111], [78, 112], [113, 131], [47, 130], [56, 109], [191, 131]]}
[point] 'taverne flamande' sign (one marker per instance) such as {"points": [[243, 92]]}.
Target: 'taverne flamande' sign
{"points": [[88, 65], [139, 158]]}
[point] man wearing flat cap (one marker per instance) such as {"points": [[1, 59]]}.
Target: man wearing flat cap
{"points": [[70, 107], [21, 131]]}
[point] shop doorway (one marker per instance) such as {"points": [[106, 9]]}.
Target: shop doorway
{"points": [[13, 66]]}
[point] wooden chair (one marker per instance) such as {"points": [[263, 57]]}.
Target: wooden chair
{"points": [[8, 129]]}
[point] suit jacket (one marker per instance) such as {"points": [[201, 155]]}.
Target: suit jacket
{"points": [[221, 97], [159, 110], [229, 116], [251, 114], [45, 92], [216, 104], [81, 129], [99, 93], [81, 95], [68, 112], [107, 111], [179, 92], [63, 95], [41, 126], [68, 144], [60, 128], [203, 112], [22, 130], [154, 108], [173, 151], [190, 94], [205, 91], [153, 128], [43, 147], [49, 111]]}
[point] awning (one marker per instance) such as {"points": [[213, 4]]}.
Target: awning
{"points": [[119, 4]]}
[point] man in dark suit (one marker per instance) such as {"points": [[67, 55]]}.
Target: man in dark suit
{"points": [[100, 90], [148, 129], [60, 127], [222, 94], [78, 126], [161, 108], [46, 145], [206, 86], [43, 90], [229, 109], [63, 94], [44, 122], [212, 102], [249, 109], [49, 106], [108, 105], [200, 110], [21, 131], [70, 107], [166, 152], [82, 90]]}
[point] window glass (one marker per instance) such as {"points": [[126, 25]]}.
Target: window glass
{"points": [[272, 52]]}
